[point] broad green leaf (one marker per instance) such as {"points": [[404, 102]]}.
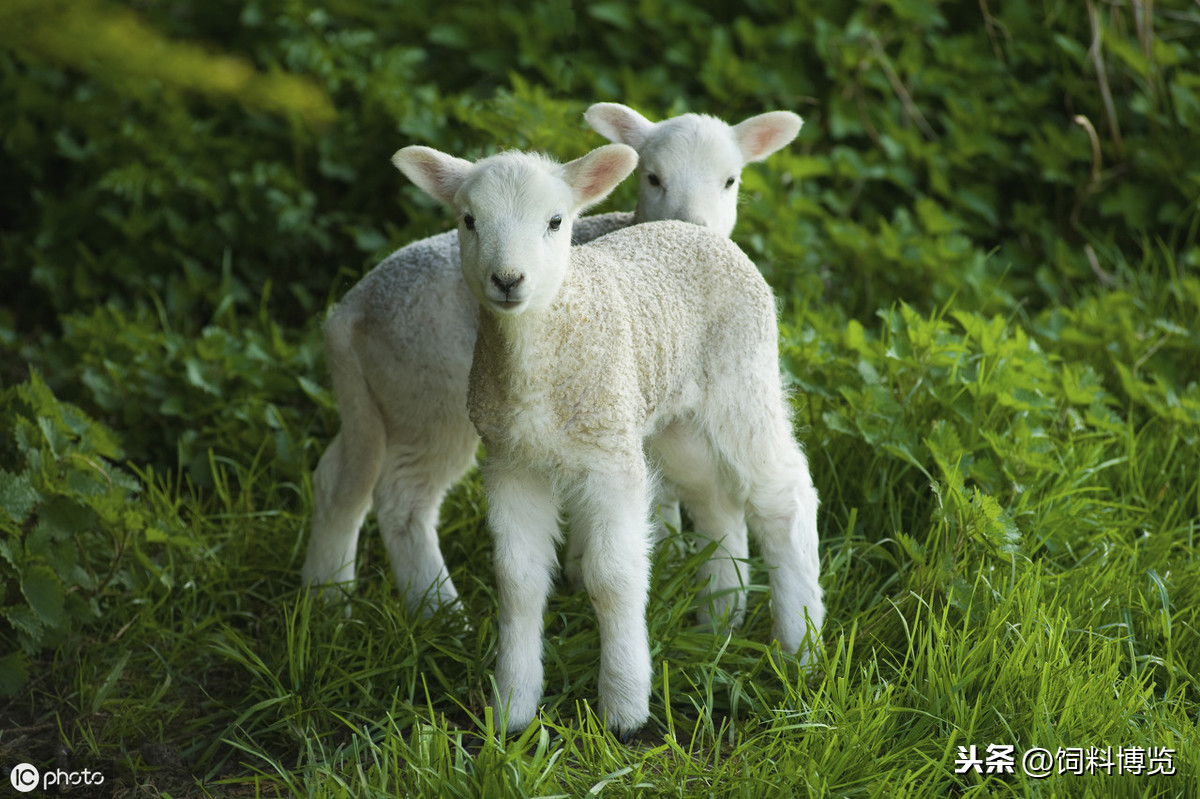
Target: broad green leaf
{"points": [[25, 620], [45, 593], [17, 495], [14, 673]]}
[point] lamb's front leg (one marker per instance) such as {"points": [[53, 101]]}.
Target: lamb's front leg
{"points": [[609, 511], [524, 524]]}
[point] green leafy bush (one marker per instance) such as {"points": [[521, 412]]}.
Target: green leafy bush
{"points": [[951, 150], [232, 386], [73, 526]]}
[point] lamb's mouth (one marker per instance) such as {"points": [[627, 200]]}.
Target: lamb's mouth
{"points": [[508, 305]]}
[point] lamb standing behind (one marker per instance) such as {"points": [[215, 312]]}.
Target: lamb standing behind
{"points": [[399, 348], [658, 341]]}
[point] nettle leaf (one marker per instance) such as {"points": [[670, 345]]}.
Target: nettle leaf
{"points": [[855, 337], [45, 593], [868, 372], [27, 438], [947, 448], [994, 524], [63, 558], [17, 495], [1025, 399], [90, 483], [14, 673], [196, 375], [987, 332], [93, 438], [54, 436], [121, 479], [838, 423], [316, 392], [155, 535], [1081, 384], [904, 450], [62, 517], [1185, 98], [62, 425], [912, 547], [26, 622]]}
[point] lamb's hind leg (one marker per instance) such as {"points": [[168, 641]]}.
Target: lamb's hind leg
{"points": [[783, 515], [346, 475], [342, 486], [667, 519], [782, 512], [688, 460], [413, 482]]}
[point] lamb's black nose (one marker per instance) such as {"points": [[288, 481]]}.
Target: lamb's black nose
{"points": [[507, 284]]}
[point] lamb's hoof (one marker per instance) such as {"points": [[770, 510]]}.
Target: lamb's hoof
{"points": [[335, 596], [637, 731], [450, 616]]}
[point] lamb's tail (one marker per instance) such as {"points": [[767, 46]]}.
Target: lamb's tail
{"points": [[345, 478], [362, 420]]}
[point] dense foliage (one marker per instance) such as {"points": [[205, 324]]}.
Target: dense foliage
{"points": [[986, 243]]}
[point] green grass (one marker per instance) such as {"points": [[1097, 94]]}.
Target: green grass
{"points": [[1008, 526]]}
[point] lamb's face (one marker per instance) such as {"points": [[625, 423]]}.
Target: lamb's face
{"points": [[690, 165], [514, 230], [689, 170], [515, 212]]}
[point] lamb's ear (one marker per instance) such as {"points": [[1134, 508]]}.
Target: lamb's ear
{"points": [[435, 173], [618, 123], [594, 175], [762, 135]]}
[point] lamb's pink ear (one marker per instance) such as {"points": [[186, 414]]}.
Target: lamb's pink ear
{"points": [[594, 175], [435, 173], [762, 135], [618, 123]]}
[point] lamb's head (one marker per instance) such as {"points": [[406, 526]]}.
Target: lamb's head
{"points": [[515, 213], [691, 164]]}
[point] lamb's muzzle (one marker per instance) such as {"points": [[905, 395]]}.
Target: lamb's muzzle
{"points": [[507, 284]]}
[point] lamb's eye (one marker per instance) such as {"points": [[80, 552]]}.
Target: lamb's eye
{"points": [[469, 221], [555, 222], [653, 178], [729, 183]]}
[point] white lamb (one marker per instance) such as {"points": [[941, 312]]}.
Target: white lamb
{"points": [[399, 350], [658, 341]]}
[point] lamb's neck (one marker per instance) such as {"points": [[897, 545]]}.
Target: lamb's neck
{"points": [[518, 343]]}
